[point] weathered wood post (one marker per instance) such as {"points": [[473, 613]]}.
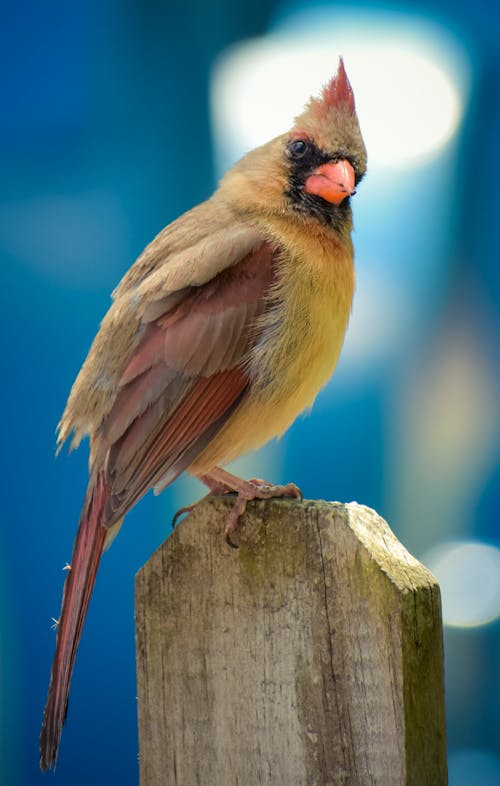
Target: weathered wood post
{"points": [[309, 656]]}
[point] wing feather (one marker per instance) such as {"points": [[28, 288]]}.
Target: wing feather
{"points": [[186, 431], [183, 380], [182, 259]]}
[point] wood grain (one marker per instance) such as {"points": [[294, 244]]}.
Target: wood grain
{"points": [[309, 656]]}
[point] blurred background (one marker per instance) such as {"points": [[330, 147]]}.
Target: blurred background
{"points": [[118, 116]]}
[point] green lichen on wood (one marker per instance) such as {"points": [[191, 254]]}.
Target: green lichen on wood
{"points": [[310, 654]]}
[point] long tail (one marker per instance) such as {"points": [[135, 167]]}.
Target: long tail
{"points": [[78, 588]]}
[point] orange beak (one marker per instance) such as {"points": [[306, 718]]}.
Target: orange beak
{"points": [[333, 182]]}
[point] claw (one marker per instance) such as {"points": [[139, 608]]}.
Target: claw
{"points": [[181, 512], [233, 518], [216, 490]]}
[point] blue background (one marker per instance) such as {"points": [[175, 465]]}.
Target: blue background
{"points": [[105, 137]]}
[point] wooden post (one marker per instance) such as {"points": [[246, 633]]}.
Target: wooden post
{"points": [[309, 656]]}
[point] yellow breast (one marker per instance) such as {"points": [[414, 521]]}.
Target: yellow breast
{"points": [[301, 341]]}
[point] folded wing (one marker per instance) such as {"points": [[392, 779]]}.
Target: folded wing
{"points": [[182, 381]]}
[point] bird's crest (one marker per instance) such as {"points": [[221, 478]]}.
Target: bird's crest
{"points": [[338, 92]]}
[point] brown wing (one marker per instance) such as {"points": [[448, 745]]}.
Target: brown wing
{"points": [[185, 256], [184, 378]]}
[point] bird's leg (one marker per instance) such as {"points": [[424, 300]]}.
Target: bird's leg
{"points": [[246, 490], [217, 487]]}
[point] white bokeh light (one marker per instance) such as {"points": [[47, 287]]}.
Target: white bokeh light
{"points": [[408, 93], [469, 576]]}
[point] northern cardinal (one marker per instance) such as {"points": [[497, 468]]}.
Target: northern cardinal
{"points": [[220, 334]]}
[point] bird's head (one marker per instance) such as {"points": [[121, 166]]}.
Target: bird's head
{"points": [[313, 170], [325, 152]]}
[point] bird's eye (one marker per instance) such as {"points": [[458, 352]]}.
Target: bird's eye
{"points": [[297, 148]]}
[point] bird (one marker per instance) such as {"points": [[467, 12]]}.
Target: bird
{"points": [[220, 334]]}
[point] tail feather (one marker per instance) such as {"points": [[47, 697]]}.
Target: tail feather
{"points": [[78, 588]]}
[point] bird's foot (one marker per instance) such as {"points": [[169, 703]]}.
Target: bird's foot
{"points": [[221, 482]]}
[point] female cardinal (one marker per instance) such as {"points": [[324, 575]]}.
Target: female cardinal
{"points": [[220, 334]]}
